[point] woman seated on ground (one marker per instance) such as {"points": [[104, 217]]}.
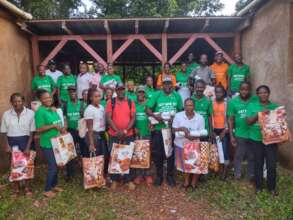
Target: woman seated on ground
{"points": [[193, 126], [17, 125], [48, 126]]}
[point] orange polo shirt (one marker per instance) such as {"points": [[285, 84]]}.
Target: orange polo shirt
{"points": [[221, 73], [219, 115], [121, 115], [160, 77]]}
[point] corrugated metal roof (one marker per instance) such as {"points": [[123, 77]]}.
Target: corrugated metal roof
{"points": [[219, 24]]}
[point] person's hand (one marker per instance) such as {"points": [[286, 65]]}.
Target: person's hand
{"points": [[186, 131], [229, 93], [8, 149], [158, 117], [92, 148], [120, 134], [151, 127], [136, 132], [233, 141], [63, 130], [27, 150]]}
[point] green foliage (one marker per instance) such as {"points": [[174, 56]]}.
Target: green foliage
{"points": [[48, 9], [241, 4]]}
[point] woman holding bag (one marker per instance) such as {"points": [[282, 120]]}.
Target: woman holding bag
{"points": [[18, 126], [48, 125]]}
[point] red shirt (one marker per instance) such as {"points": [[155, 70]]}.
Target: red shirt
{"points": [[121, 115]]}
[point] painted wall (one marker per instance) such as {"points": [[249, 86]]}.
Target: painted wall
{"points": [[15, 63], [265, 47]]}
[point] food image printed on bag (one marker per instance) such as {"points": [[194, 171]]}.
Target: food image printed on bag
{"points": [[93, 172], [141, 154], [120, 158], [167, 139], [22, 165], [274, 127], [64, 149]]}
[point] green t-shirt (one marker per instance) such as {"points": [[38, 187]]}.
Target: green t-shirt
{"points": [[43, 117], [149, 92], [203, 107], [104, 103], [191, 67], [63, 83], [237, 75], [45, 82], [72, 113], [182, 78], [161, 102], [131, 96], [107, 78], [252, 110], [238, 109], [141, 119]]}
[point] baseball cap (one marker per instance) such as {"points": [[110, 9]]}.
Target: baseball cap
{"points": [[71, 88], [219, 52], [140, 88], [52, 62], [167, 79], [120, 86]]}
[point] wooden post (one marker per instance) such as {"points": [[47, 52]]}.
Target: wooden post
{"points": [[237, 43], [164, 48], [35, 52], [109, 48]]}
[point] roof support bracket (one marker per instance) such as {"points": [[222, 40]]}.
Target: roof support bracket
{"points": [[66, 29], [55, 51]]}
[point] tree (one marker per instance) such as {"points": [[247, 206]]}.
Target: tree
{"points": [[241, 4], [48, 9], [156, 8]]}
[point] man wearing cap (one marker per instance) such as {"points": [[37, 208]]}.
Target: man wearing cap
{"points": [[220, 69], [52, 71], [72, 110], [120, 114], [63, 83], [163, 102]]}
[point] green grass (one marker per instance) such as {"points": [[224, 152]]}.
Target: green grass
{"points": [[237, 200]]}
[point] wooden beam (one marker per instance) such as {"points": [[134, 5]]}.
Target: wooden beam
{"points": [[55, 51], [109, 48], [237, 43], [165, 47], [125, 36], [107, 27], [91, 51], [123, 47], [66, 29], [136, 27], [151, 47], [23, 27], [214, 45], [245, 24], [185, 46], [35, 52], [166, 25]]}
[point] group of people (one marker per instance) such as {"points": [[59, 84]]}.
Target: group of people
{"points": [[118, 113]]}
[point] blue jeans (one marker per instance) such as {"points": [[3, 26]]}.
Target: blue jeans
{"points": [[126, 177], [52, 176]]}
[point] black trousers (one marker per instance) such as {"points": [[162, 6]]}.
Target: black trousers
{"points": [[158, 155], [265, 153]]}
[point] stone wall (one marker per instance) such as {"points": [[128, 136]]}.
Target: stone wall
{"points": [[265, 47], [15, 65]]}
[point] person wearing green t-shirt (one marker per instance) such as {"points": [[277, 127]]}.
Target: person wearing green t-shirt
{"points": [[237, 73], [63, 82], [108, 96], [149, 89], [191, 64], [48, 125], [262, 152], [202, 104], [239, 130], [142, 131], [130, 93], [162, 107], [73, 111], [182, 82], [42, 81], [110, 80]]}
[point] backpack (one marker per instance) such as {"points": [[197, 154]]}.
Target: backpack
{"points": [[113, 103]]}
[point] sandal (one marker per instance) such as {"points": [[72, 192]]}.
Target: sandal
{"points": [[28, 192], [57, 189], [49, 194]]}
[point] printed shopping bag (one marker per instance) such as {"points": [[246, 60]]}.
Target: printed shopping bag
{"points": [[141, 154], [63, 148], [213, 158], [191, 157]]}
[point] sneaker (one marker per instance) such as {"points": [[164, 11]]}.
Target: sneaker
{"points": [[131, 186], [138, 180], [149, 180], [171, 182], [114, 185], [158, 181]]}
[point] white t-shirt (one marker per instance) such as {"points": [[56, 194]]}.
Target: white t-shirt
{"points": [[83, 83], [55, 75], [194, 124], [14, 126], [98, 117]]}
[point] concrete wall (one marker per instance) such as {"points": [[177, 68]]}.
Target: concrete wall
{"points": [[15, 64], [265, 47]]}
